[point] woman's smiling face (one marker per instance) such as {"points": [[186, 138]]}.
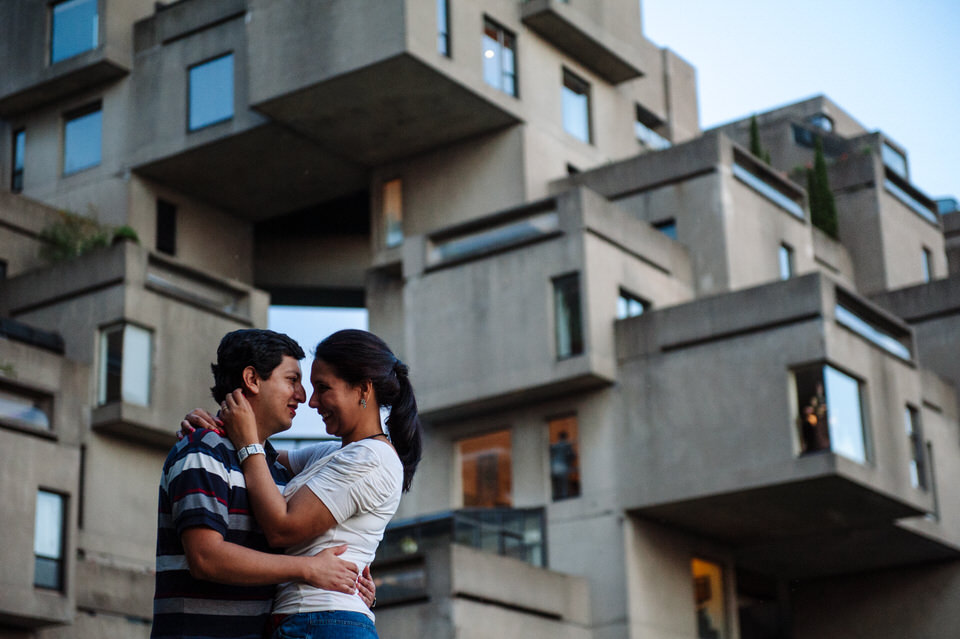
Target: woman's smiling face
{"points": [[337, 401]]}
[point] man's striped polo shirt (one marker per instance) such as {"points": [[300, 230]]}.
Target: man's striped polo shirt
{"points": [[202, 485]]}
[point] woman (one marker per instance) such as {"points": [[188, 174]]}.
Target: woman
{"points": [[342, 493]]}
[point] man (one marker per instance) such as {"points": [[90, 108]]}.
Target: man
{"points": [[215, 573]]}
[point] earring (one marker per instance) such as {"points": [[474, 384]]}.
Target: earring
{"points": [[363, 402]]}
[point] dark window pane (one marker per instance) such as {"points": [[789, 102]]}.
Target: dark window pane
{"points": [[567, 319], [19, 147], [564, 458], [75, 28], [111, 372], [166, 227]]}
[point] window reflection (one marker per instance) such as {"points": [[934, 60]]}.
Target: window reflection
{"points": [[211, 92], [576, 106], [708, 597], [82, 140], [125, 364], [830, 413], [499, 58], [485, 466], [630, 305], [564, 458], [75, 27], [48, 533]]}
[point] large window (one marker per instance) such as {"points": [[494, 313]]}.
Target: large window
{"points": [[830, 412], [576, 106], [48, 540], [485, 470], [19, 147], [74, 28], [211, 92], [126, 353], [393, 213], [443, 27], [709, 600], [82, 132], [918, 466], [499, 57], [567, 317], [564, 458]]}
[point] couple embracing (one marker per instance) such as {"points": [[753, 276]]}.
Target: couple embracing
{"points": [[228, 500]]}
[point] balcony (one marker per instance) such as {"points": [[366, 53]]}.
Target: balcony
{"points": [[579, 37], [135, 317], [39, 70], [355, 82], [777, 427], [469, 287], [444, 582]]}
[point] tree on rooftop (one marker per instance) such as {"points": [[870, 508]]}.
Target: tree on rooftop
{"points": [[823, 208], [756, 148]]}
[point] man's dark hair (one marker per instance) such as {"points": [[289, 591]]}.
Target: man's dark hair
{"points": [[260, 348]]}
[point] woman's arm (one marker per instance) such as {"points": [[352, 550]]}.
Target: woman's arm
{"points": [[284, 523]]}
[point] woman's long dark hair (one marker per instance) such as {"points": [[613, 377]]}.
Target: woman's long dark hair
{"points": [[358, 356]]}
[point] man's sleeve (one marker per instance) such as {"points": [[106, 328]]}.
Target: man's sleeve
{"points": [[198, 486]]}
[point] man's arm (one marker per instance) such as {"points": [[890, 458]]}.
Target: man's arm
{"points": [[212, 558]]}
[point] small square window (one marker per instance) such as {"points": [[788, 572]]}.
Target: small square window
{"points": [[499, 57], [48, 540], [75, 28], [567, 316], [576, 106], [211, 92], [19, 147], [82, 133], [126, 353]]}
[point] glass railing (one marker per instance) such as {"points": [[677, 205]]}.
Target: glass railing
{"points": [[913, 203], [768, 191], [871, 332], [510, 532], [493, 238]]}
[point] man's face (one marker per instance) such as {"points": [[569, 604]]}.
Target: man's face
{"points": [[279, 396]]}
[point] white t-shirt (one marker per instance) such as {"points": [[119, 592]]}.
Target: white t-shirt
{"points": [[360, 484]]}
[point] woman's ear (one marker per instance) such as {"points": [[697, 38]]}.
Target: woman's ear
{"points": [[251, 381]]}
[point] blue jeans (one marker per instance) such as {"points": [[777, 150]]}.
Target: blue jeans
{"points": [[330, 624]]}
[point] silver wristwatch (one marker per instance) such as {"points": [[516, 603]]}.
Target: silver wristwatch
{"points": [[252, 449]]}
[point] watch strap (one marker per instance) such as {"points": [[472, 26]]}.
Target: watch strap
{"points": [[252, 449]]}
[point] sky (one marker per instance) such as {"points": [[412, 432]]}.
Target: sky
{"points": [[893, 65]]}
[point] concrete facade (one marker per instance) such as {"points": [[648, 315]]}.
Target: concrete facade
{"points": [[656, 290]]}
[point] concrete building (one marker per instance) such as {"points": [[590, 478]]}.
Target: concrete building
{"points": [[660, 402]]}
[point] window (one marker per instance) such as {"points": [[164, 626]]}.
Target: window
{"points": [[393, 213], [926, 264], [25, 409], [211, 92], [443, 27], [822, 121], [894, 160], [645, 128], [81, 139], [499, 57], [566, 315], [667, 227], [48, 534], [166, 227], [19, 146], [564, 458], [786, 261], [629, 305], [75, 27], [709, 600], [576, 106], [830, 413], [125, 363], [870, 330], [918, 469], [485, 470]]}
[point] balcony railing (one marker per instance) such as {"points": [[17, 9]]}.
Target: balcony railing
{"points": [[511, 532]]}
